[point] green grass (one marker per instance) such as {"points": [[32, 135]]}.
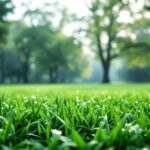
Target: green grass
{"points": [[64, 117]]}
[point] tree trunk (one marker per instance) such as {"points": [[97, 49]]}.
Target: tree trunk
{"points": [[2, 69], [25, 72], [2, 77], [106, 68], [53, 74], [51, 78]]}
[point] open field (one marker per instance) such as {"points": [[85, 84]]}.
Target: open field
{"points": [[88, 116]]}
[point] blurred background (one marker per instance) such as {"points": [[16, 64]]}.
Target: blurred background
{"points": [[81, 41]]}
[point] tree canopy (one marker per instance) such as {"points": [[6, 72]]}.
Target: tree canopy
{"points": [[6, 7], [112, 35], [43, 47]]}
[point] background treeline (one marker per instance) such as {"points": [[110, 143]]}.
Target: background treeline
{"points": [[36, 49]]}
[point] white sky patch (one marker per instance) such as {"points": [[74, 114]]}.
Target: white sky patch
{"points": [[125, 17], [76, 6], [18, 11], [138, 5], [79, 8]]}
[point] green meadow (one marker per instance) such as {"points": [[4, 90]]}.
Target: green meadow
{"points": [[66, 117]]}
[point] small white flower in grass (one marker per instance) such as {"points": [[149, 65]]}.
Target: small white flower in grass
{"points": [[123, 129], [56, 132], [77, 99], [128, 125], [33, 97], [1, 130], [136, 128], [133, 128]]}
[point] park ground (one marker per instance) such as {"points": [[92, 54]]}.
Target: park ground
{"points": [[75, 116], [74, 89]]}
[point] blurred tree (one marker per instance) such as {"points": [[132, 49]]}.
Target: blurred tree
{"points": [[6, 7], [54, 51], [14, 63], [11, 66], [51, 13], [134, 73], [147, 4], [31, 38], [25, 46], [26, 39], [109, 31], [57, 52], [78, 69], [141, 44], [2, 65]]}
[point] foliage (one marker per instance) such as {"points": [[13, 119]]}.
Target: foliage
{"points": [[134, 74], [9, 57], [112, 36], [140, 49], [6, 7], [58, 117], [25, 47], [42, 48], [58, 53], [53, 52]]}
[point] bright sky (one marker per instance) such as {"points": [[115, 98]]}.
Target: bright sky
{"points": [[76, 6]]}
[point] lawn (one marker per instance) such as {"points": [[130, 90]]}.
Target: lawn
{"points": [[66, 117]]}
